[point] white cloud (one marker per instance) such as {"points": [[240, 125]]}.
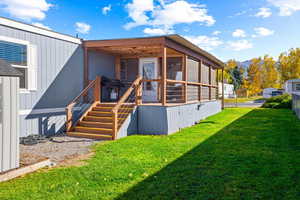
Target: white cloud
{"points": [[106, 9], [137, 12], [262, 32], [264, 13], [41, 25], [205, 42], [216, 33], [240, 45], [239, 33], [157, 31], [286, 7], [82, 27], [26, 9], [157, 13]]}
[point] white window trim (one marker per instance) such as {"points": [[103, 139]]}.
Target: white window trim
{"points": [[29, 61]]}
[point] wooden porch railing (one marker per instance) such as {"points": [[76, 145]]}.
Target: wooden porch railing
{"points": [[89, 96], [133, 95]]}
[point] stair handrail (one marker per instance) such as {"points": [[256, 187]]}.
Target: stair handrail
{"points": [[136, 85], [96, 84]]}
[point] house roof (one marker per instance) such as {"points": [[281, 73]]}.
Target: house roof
{"points": [[38, 30], [7, 70], [148, 42], [181, 40]]}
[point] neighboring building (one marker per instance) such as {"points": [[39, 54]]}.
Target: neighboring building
{"points": [[292, 86], [228, 90], [271, 92], [176, 85], [9, 119]]}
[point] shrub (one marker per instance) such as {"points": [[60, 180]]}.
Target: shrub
{"points": [[282, 101]]}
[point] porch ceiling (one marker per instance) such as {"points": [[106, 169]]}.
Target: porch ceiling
{"points": [[130, 50], [137, 51], [152, 46]]}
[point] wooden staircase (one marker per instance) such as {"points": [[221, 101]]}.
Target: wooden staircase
{"points": [[100, 120], [97, 122]]}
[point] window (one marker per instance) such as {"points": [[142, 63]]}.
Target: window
{"points": [[296, 86], [21, 55], [15, 54], [123, 70], [174, 68], [192, 70]]}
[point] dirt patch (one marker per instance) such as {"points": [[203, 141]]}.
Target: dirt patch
{"points": [[62, 150], [76, 161]]}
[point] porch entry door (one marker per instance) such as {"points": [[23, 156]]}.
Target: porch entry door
{"points": [[148, 69]]}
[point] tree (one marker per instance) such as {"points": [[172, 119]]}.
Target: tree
{"points": [[254, 79], [236, 76], [289, 65], [229, 65], [269, 73]]}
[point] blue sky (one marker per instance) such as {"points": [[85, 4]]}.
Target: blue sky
{"points": [[238, 29]]}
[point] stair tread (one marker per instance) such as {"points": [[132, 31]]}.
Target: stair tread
{"points": [[98, 123], [104, 117], [93, 128], [107, 112], [89, 135]]}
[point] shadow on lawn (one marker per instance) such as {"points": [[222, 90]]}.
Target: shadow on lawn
{"points": [[252, 158]]}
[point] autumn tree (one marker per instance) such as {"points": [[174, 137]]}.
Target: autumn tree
{"points": [[231, 64], [253, 82], [269, 73], [289, 65]]}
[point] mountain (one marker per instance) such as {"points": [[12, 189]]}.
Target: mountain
{"points": [[245, 64]]}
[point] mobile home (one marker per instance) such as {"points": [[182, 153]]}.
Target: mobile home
{"points": [[108, 89], [292, 86], [49, 61]]}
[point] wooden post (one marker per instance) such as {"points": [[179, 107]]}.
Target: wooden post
{"points": [[115, 124], [86, 67], [185, 97], [118, 67], [200, 79], [222, 88], [69, 116], [217, 80], [164, 76], [97, 88], [209, 82], [138, 93]]}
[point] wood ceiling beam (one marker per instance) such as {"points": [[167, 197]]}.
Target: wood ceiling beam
{"points": [[124, 42]]}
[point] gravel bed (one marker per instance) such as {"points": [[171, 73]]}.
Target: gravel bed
{"points": [[57, 149]]}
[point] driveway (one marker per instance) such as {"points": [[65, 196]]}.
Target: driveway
{"points": [[248, 104]]}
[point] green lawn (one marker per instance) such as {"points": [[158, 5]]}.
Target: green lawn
{"points": [[237, 154], [242, 99]]}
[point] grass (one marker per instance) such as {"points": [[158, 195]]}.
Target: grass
{"points": [[239, 153], [242, 99]]}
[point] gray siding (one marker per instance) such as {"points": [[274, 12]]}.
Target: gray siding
{"points": [[167, 120], [130, 126], [59, 79], [296, 104], [9, 123], [101, 64]]}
